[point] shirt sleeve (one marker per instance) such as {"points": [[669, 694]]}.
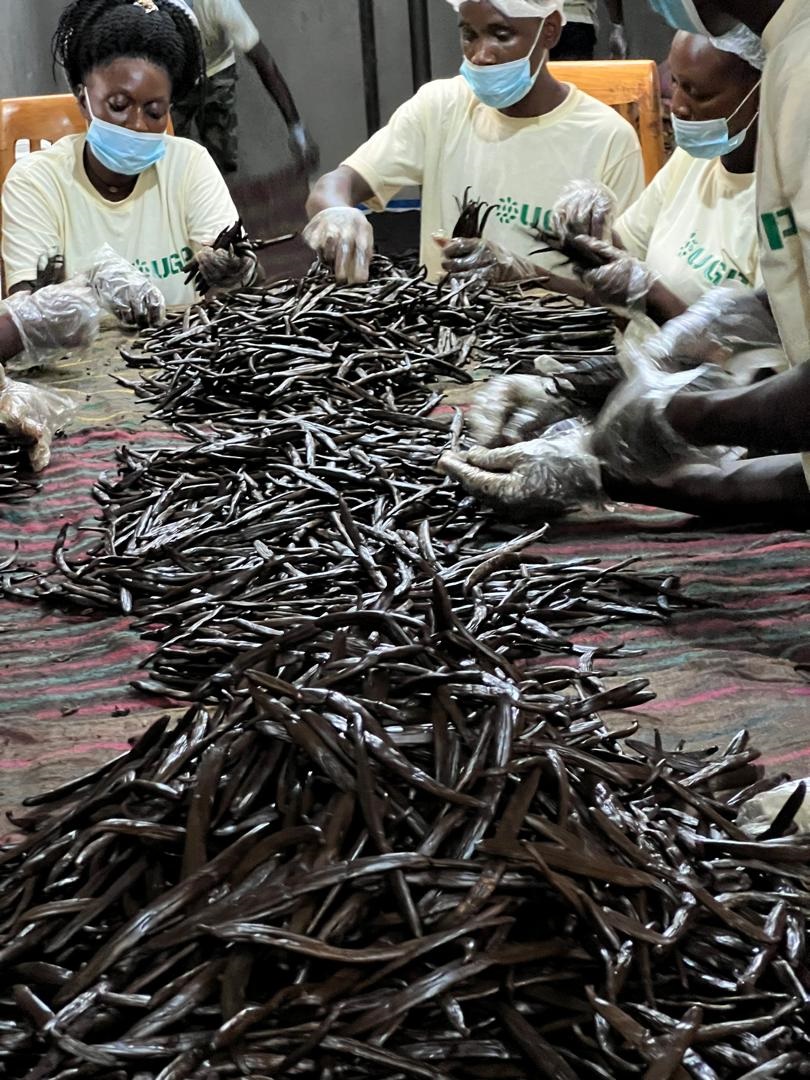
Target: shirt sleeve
{"points": [[30, 222], [624, 167], [208, 203], [239, 26], [394, 156], [637, 224]]}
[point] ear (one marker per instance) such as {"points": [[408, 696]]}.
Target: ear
{"points": [[552, 28]]}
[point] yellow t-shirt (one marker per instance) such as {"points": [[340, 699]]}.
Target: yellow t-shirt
{"points": [[695, 225], [783, 178], [446, 140], [49, 205]]}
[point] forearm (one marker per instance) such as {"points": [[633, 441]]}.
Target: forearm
{"points": [[10, 341], [770, 415], [770, 489], [341, 187], [616, 11], [663, 304], [274, 82]]}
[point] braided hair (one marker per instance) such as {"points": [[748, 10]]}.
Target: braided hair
{"points": [[92, 33]]}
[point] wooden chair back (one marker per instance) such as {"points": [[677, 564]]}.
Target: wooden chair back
{"points": [[629, 86]]}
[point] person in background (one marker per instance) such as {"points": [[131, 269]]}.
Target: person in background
{"points": [[695, 226], [226, 27], [578, 39], [124, 202], [504, 129], [646, 437]]}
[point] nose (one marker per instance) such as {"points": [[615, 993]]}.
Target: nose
{"points": [[482, 53], [141, 122], [679, 105]]}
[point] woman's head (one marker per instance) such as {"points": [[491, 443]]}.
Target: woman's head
{"points": [[132, 58], [711, 84]]}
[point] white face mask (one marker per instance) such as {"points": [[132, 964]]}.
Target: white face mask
{"points": [[710, 138], [503, 85]]}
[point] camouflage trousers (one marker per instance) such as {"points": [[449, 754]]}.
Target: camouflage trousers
{"points": [[214, 114]]}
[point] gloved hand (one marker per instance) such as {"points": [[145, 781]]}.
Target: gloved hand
{"points": [[342, 237], [621, 280], [513, 408], [125, 292], [224, 270], [303, 148], [53, 320], [584, 207], [483, 261], [618, 42], [729, 325], [632, 437], [541, 477], [31, 415]]}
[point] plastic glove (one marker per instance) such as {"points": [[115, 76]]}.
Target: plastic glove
{"points": [[730, 326], [618, 42], [125, 292], [303, 148], [31, 415], [584, 208], [513, 408], [342, 237], [224, 270], [484, 262], [632, 436], [53, 320], [542, 477], [621, 280], [757, 814]]}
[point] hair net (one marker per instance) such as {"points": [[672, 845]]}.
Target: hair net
{"points": [[521, 9], [743, 43]]}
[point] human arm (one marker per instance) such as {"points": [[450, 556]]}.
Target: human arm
{"points": [[337, 231], [302, 145], [768, 415], [618, 39], [31, 222]]}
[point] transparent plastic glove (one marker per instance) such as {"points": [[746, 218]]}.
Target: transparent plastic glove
{"points": [[124, 291], [226, 271], [632, 436], [621, 280], [482, 261], [54, 320], [343, 238], [618, 42], [31, 415], [513, 408], [729, 326], [303, 148], [584, 208], [757, 814], [539, 478]]}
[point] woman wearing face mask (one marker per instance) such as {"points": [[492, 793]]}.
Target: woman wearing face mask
{"points": [[504, 128], [125, 203], [695, 226]]}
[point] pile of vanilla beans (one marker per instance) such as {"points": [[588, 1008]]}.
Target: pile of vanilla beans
{"points": [[15, 475], [392, 836]]}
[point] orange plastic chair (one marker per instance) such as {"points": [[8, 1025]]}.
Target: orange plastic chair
{"points": [[632, 88]]}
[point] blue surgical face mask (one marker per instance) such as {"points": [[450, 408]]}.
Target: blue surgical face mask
{"points": [[120, 150], [681, 15], [502, 85], [710, 138]]}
